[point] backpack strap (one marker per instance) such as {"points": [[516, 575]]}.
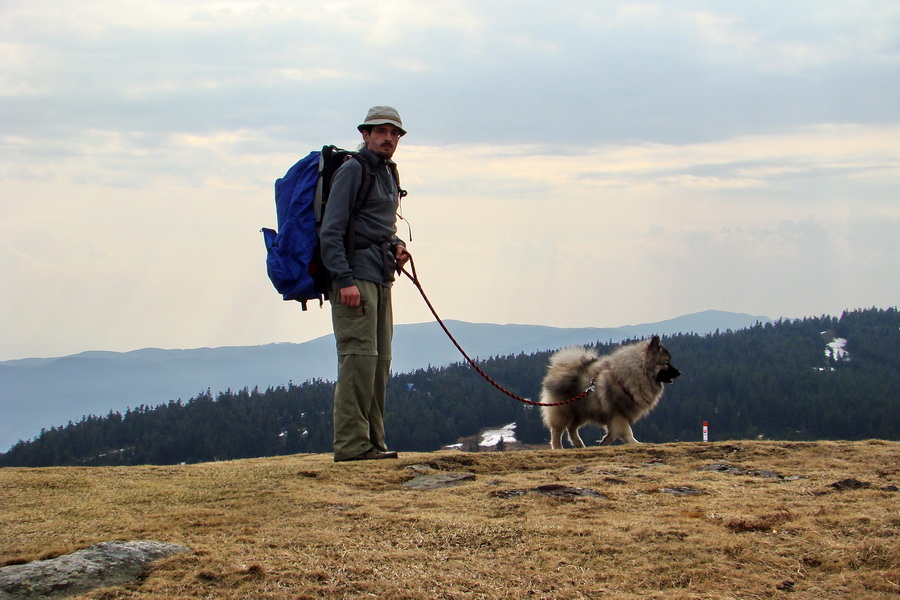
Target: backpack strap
{"points": [[368, 179], [368, 176], [396, 175]]}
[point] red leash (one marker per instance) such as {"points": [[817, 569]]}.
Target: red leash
{"points": [[415, 279]]}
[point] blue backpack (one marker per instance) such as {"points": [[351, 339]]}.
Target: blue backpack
{"points": [[293, 260]]}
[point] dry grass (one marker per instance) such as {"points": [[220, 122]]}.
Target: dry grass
{"points": [[303, 527]]}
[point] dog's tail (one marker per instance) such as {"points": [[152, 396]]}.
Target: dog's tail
{"points": [[576, 358], [569, 369]]}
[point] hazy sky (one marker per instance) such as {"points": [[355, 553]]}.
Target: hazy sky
{"points": [[584, 163]]}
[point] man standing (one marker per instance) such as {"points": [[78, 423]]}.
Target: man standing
{"points": [[361, 251]]}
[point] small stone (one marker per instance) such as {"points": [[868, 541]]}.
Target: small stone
{"points": [[785, 586], [850, 484], [506, 494], [681, 491], [561, 491], [553, 490], [432, 481]]}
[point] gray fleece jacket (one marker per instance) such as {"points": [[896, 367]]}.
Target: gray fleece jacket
{"points": [[375, 223]]}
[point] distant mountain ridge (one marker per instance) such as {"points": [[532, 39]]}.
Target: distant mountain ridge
{"points": [[38, 393]]}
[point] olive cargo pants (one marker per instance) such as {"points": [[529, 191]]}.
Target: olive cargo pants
{"points": [[363, 335]]}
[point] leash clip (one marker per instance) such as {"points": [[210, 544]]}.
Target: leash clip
{"points": [[592, 387]]}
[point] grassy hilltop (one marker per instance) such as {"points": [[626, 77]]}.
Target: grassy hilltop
{"points": [[690, 520]]}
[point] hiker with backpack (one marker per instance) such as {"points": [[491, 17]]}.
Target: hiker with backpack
{"points": [[361, 252]]}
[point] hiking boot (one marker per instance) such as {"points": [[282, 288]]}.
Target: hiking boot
{"points": [[373, 454]]}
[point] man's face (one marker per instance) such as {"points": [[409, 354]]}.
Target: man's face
{"points": [[382, 140]]}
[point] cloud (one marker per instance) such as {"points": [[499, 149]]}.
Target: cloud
{"points": [[566, 164], [465, 72], [712, 224]]}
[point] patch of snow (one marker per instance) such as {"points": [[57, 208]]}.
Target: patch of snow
{"points": [[492, 437], [836, 350]]}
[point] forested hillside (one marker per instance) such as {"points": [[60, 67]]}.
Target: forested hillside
{"points": [[814, 378]]}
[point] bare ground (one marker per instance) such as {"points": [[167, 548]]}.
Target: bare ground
{"points": [[721, 520]]}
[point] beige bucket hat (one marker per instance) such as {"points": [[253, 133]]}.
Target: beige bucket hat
{"points": [[383, 115]]}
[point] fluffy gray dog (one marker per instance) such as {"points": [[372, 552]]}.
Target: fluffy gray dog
{"points": [[627, 384]]}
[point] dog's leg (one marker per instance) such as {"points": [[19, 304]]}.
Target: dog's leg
{"points": [[556, 438], [620, 429], [628, 435], [574, 437], [608, 438]]}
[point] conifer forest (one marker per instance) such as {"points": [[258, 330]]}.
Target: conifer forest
{"points": [[818, 378]]}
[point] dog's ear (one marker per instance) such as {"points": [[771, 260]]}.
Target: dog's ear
{"points": [[654, 343]]}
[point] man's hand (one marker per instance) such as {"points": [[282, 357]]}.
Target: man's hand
{"points": [[402, 255], [350, 296]]}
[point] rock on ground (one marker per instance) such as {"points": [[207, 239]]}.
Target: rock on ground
{"points": [[101, 565]]}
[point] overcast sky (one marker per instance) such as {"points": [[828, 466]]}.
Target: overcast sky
{"points": [[578, 164]]}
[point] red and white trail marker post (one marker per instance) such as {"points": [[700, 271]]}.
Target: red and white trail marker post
{"points": [[705, 431]]}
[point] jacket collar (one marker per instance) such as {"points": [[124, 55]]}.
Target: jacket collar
{"points": [[374, 158]]}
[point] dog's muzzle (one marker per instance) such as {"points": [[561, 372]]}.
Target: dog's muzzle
{"points": [[668, 374]]}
